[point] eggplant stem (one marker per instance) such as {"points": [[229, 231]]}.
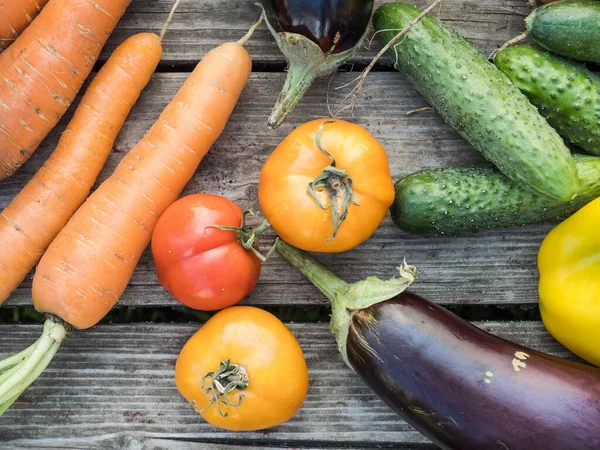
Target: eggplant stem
{"points": [[29, 364], [298, 80], [346, 299], [323, 279]]}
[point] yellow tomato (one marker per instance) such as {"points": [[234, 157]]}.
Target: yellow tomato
{"points": [[243, 370], [348, 175], [569, 265]]}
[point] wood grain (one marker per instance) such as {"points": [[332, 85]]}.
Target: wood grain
{"points": [[112, 387], [198, 26], [494, 267]]}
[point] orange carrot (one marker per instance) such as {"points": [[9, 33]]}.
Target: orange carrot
{"points": [[37, 214], [15, 16], [87, 267], [44, 69]]}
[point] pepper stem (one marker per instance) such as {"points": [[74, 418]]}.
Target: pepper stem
{"points": [[346, 299], [336, 182], [22, 369], [224, 381]]}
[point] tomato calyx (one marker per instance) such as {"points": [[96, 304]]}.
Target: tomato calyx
{"points": [[225, 380], [249, 237], [336, 182]]}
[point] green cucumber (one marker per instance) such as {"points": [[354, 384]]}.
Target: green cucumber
{"points": [[564, 92], [462, 199], [569, 28], [479, 101]]}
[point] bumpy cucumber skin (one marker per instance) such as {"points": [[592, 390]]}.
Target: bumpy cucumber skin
{"points": [[565, 93], [479, 101], [569, 28], [461, 200]]}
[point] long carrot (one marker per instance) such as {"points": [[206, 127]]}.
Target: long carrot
{"points": [[87, 267], [38, 213], [15, 16], [44, 69]]}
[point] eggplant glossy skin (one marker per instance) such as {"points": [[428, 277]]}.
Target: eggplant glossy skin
{"points": [[321, 20], [466, 389]]}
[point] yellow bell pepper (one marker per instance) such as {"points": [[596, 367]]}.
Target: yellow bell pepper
{"points": [[569, 266]]}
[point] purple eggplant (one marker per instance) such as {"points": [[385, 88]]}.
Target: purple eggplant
{"points": [[463, 388], [316, 37]]}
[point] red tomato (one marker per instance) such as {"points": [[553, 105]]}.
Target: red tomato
{"points": [[203, 267]]}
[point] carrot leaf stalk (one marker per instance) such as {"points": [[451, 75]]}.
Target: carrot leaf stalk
{"points": [[22, 369]]}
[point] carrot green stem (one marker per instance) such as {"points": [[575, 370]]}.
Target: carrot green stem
{"points": [[17, 358], [251, 31], [28, 365], [4, 406], [9, 373], [168, 22], [16, 391], [346, 299]]}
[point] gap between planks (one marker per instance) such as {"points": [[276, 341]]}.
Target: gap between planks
{"points": [[112, 387]]}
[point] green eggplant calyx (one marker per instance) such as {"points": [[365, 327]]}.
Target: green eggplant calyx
{"points": [[225, 380], [336, 183], [346, 299], [364, 294], [306, 61]]}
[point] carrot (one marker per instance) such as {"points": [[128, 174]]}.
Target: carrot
{"points": [[38, 213], [44, 69], [16, 16], [87, 267]]}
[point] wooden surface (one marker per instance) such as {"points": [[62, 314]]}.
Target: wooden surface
{"points": [[200, 25], [112, 387], [493, 267]]}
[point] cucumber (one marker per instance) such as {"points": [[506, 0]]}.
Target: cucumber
{"points": [[462, 199], [479, 101], [569, 28], [564, 92]]}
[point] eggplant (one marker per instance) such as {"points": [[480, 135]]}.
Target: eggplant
{"points": [[316, 37], [460, 386]]}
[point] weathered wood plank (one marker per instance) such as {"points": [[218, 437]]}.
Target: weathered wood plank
{"points": [[198, 27], [491, 267], [112, 387]]}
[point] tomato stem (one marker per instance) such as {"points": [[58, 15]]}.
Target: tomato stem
{"points": [[225, 380], [336, 183], [249, 237]]}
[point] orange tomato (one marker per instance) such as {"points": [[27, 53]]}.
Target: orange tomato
{"points": [[253, 348], [360, 174]]}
